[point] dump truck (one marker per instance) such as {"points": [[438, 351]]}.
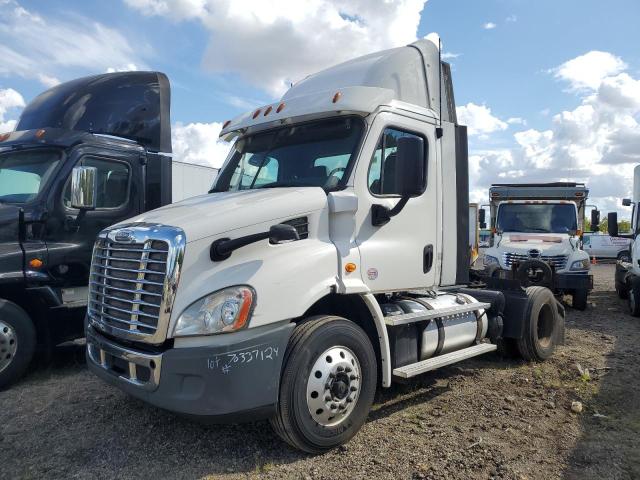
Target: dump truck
{"points": [[107, 137], [537, 237], [337, 262]]}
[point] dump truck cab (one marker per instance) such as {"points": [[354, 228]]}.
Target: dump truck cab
{"points": [[537, 230]]}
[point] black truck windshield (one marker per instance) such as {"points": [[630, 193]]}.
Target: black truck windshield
{"points": [[537, 218], [314, 154], [24, 174]]}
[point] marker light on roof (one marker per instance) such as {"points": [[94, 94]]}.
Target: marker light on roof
{"points": [[226, 124], [337, 97], [256, 113], [40, 133], [280, 108], [4, 136], [268, 110]]}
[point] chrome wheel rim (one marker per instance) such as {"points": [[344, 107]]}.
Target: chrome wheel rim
{"points": [[333, 386], [8, 344]]}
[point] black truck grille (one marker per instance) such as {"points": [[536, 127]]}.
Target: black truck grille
{"points": [[127, 283]]}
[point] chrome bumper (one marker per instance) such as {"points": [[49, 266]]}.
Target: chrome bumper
{"points": [[135, 368]]}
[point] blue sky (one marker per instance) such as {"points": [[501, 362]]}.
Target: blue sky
{"points": [[530, 118]]}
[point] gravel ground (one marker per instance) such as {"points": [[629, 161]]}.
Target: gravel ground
{"points": [[484, 418]]}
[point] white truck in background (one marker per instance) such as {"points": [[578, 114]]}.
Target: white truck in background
{"points": [[331, 256], [537, 231], [627, 277]]}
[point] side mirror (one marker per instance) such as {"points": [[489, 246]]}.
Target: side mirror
{"points": [[595, 220], [410, 167], [282, 233], [83, 187], [482, 218], [612, 220], [626, 202]]}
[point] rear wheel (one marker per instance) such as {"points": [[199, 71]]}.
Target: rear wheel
{"points": [[624, 256], [17, 342], [579, 299], [328, 384], [622, 290], [541, 327]]}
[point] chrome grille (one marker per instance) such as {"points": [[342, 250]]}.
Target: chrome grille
{"points": [[132, 282], [558, 262]]}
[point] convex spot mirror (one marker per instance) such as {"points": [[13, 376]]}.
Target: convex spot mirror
{"points": [[482, 218], [410, 167], [626, 202], [84, 187]]}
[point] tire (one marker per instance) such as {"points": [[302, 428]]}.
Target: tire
{"points": [[624, 256], [579, 299], [17, 342], [622, 291], [633, 300], [313, 423], [542, 327]]}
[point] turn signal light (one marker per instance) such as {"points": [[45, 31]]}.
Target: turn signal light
{"points": [[350, 267], [40, 133], [256, 113], [337, 97], [35, 263], [4, 136], [268, 110], [280, 108]]}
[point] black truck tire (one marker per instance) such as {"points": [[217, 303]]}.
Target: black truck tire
{"points": [[622, 290], [633, 299], [329, 368], [579, 299], [17, 342], [541, 327], [624, 256]]}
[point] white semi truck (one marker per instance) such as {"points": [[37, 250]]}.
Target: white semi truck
{"points": [[536, 237], [337, 260], [627, 278]]}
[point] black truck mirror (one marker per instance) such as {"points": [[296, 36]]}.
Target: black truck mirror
{"points": [[595, 220], [482, 218], [410, 166], [83, 187], [626, 202], [612, 220]]}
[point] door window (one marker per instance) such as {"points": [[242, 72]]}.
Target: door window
{"points": [[112, 183], [382, 170]]}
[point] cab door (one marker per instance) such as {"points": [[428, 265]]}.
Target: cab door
{"points": [[402, 253], [70, 234]]}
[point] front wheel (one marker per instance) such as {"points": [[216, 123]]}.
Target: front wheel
{"points": [[624, 256], [327, 386], [579, 299], [17, 342], [633, 299]]}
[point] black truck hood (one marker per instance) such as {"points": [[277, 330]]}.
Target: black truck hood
{"points": [[133, 105]]}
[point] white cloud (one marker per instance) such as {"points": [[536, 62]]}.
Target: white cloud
{"points": [[43, 48], [479, 119], [587, 71], [130, 67], [272, 43], [517, 121], [10, 101], [511, 19], [489, 26], [198, 143], [597, 142]]}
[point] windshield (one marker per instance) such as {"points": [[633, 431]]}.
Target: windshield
{"points": [[24, 174], [537, 218], [314, 154]]}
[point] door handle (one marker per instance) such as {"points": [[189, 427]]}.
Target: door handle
{"points": [[427, 259]]}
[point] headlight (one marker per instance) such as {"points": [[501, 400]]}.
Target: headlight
{"points": [[580, 264], [224, 311], [489, 260]]}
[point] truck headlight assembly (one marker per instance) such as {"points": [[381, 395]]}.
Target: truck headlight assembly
{"points": [[223, 311], [580, 264], [489, 260]]}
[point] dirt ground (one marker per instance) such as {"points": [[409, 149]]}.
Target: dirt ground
{"points": [[484, 418]]}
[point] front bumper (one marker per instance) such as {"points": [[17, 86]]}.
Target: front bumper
{"points": [[234, 379], [573, 281]]}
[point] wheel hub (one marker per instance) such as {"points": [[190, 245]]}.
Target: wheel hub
{"points": [[8, 344], [333, 386]]}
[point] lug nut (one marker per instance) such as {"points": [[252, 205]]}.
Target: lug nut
{"points": [[352, 377], [333, 406], [353, 389], [327, 398], [349, 399], [340, 368], [341, 407], [348, 369]]}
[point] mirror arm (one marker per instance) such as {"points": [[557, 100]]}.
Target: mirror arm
{"points": [[222, 248], [381, 215]]}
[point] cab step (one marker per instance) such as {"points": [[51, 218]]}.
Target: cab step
{"points": [[440, 361], [395, 320]]}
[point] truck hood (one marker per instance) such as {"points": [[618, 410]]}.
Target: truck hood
{"points": [[217, 213], [551, 244]]}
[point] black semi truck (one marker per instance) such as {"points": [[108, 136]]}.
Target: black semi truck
{"points": [[85, 154]]}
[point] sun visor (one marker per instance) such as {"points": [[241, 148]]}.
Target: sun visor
{"points": [[133, 105]]}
